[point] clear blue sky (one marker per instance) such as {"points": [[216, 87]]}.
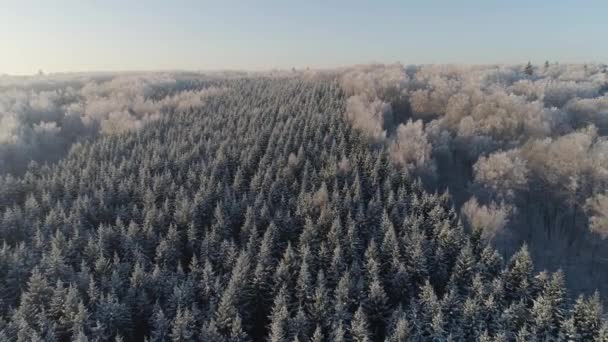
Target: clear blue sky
{"points": [[85, 35]]}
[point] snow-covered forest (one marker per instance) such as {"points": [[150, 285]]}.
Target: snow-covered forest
{"points": [[369, 203], [521, 149]]}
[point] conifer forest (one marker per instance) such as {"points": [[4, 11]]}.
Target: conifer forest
{"points": [[361, 204]]}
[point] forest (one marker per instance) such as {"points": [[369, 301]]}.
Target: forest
{"points": [[366, 203]]}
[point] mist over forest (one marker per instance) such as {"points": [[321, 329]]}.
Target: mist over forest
{"points": [[366, 203]]}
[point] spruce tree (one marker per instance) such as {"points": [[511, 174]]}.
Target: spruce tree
{"points": [[400, 332], [237, 334], [278, 330], [529, 69], [161, 326], [317, 336], [586, 314], [360, 327], [183, 327]]}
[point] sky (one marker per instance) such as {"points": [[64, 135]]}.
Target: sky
{"points": [[110, 35]]}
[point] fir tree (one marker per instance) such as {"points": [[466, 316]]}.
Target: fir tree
{"points": [[400, 332], [279, 317], [587, 317], [529, 69], [183, 327], [161, 326], [237, 334], [317, 336], [360, 327]]}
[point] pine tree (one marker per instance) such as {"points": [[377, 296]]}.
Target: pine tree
{"points": [[541, 313], [517, 277], [34, 301], [338, 333], [317, 336], [603, 333], [337, 266], [227, 310], [529, 69], [279, 316], [183, 327], [523, 335], [57, 302], [514, 318], [209, 332], [303, 283], [399, 281], [287, 270], [568, 331], [299, 325], [451, 310], [319, 308], [376, 306], [80, 336], [80, 321], [161, 326], [463, 271], [587, 317], [429, 308], [438, 328], [400, 332], [262, 278], [342, 299], [469, 327], [548, 308], [360, 327], [490, 263], [237, 334]]}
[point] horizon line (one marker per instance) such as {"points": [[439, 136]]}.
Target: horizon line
{"points": [[41, 72]]}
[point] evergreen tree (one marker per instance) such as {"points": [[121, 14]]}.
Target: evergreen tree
{"points": [[299, 325], [161, 326], [279, 317], [529, 69], [517, 277], [34, 301], [81, 337], [429, 309], [360, 327], [338, 333], [317, 336], [462, 274], [587, 317], [376, 306], [319, 308], [227, 309], [209, 332], [183, 327], [400, 332], [237, 334]]}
